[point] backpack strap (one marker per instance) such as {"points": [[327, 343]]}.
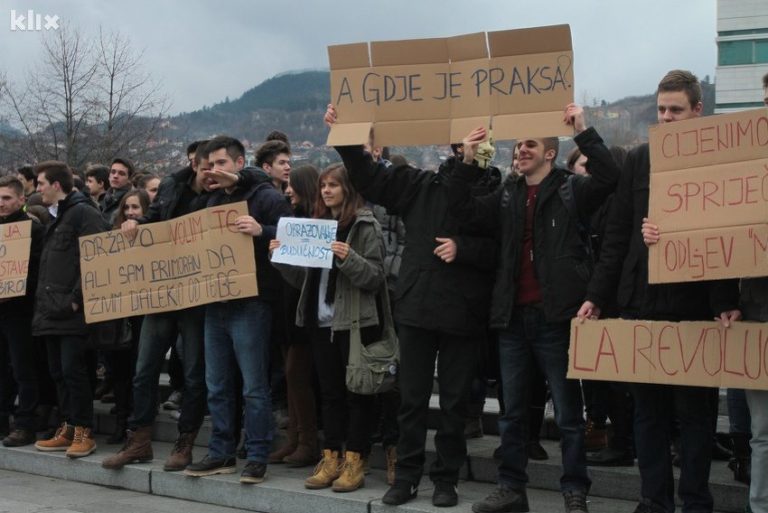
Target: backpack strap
{"points": [[568, 195]]}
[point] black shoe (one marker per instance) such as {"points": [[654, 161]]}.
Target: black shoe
{"points": [[445, 495], [536, 451], [575, 501], [208, 467], [400, 493], [645, 506], [253, 472], [497, 453], [503, 500], [720, 453], [242, 454], [19, 438], [610, 457]]}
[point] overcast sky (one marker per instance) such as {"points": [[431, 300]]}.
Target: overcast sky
{"points": [[203, 51]]}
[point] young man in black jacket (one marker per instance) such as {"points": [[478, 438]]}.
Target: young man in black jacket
{"points": [[441, 305], [623, 266], [16, 320], [237, 331], [541, 278], [58, 313]]}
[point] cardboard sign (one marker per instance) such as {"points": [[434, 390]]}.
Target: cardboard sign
{"points": [[676, 353], [305, 242], [435, 91], [188, 261], [15, 241], [709, 196]]}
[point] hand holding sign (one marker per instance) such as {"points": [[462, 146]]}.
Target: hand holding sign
{"points": [[340, 250], [726, 318], [588, 310], [130, 228], [330, 115], [574, 116], [273, 245], [471, 142], [249, 225], [650, 232]]}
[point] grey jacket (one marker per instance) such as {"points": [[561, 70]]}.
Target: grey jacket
{"points": [[363, 269]]}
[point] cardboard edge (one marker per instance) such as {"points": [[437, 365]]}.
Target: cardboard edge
{"points": [[530, 125], [346, 134]]}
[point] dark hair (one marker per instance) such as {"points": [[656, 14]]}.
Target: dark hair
{"points": [[27, 173], [127, 163], [56, 171], [619, 155], [12, 183], [551, 143], [268, 152], [99, 173], [765, 80], [200, 150], [78, 182], [398, 160], [143, 201], [573, 156], [277, 135], [144, 179], [352, 200], [681, 80], [235, 148], [303, 181], [192, 148], [40, 212]]}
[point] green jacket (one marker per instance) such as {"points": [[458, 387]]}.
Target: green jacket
{"points": [[363, 269]]}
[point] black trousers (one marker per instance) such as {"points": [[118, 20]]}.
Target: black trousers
{"points": [[16, 342], [67, 361], [346, 416], [455, 368]]}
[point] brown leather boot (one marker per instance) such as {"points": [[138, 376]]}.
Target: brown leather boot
{"points": [[181, 455], [306, 451], [391, 455], [137, 449], [290, 445], [595, 437]]}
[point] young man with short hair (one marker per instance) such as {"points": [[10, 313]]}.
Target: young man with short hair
{"points": [[120, 173], [543, 266], [58, 313], [274, 157], [237, 332], [97, 180], [16, 320], [623, 267]]}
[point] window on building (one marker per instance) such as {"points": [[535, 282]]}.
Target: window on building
{"points": [[734, 53]]}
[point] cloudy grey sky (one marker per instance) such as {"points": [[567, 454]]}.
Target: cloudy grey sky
{"points": [[202, 51]]}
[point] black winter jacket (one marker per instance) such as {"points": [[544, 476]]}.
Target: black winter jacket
{"points": [[18, 308], [267, 205], [110, 202], [623, 261], [58, 285], [562, 264], [431, 294]]}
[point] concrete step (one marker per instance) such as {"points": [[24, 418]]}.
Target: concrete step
{"points": [[621, 483], [281, 492]]}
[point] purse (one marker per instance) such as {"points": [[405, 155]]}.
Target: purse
{"points": [[372, 369]]}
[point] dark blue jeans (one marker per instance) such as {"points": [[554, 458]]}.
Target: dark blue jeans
{"points": [[237, 335], [531, 337], [158, 333], [16, 338], [655, 408]]}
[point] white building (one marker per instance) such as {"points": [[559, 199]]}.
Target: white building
{"points": [[742, 54]]}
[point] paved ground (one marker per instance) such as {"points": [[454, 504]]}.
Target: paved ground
{"points": [[27, 493]]}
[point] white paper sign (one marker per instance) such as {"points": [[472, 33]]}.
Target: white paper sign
{"points": [[305, 242]]}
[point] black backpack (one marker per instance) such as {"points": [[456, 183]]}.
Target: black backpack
{"points": [[583, 225]]}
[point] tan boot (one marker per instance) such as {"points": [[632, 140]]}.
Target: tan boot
{"points": [[181, 455], [326, 471], [83, 443], [60, 441], [352, 473], [137, 449], [391, 455]]}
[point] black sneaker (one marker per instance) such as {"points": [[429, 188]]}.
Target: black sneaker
{"points": [[536, 451], [253, 473], [209, 466], [610, 457], [575, 501], [19, 438], [445, 495], [400, 493], [503, 500]]}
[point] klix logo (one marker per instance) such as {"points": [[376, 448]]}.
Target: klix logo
{"points": [[31, 21]]}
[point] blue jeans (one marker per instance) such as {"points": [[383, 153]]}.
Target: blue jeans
{"points": [[530, 338], [158, 333], [237, 335], [758, 490]]}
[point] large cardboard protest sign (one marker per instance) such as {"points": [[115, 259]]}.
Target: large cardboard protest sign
{"points": [[305, 242], [15, 242], [677, 353], [709, 196], [434, 91], [188, 261]]}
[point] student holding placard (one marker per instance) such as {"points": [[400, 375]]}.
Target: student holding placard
{"points": [[325, 308]]}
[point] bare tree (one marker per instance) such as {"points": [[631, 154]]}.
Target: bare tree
{"points": [[87, 100]]}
